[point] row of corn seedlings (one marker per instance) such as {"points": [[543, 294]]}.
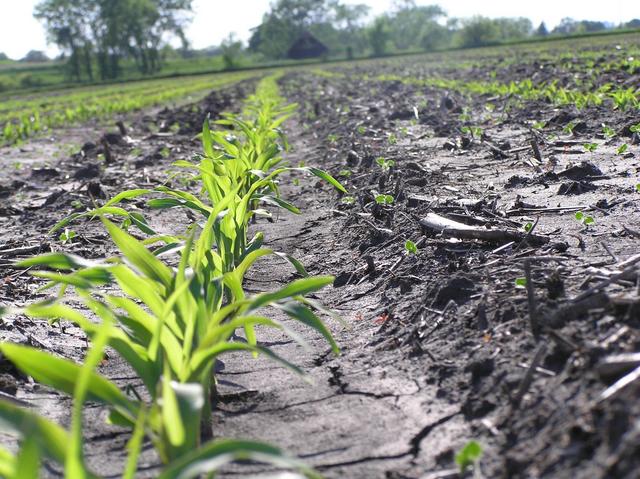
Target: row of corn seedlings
{"points": [[21, 119], [169, 305]]}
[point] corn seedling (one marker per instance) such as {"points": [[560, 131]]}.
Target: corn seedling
{"points": [[468, 455], [67, 236], [385, 164], [474, 131], [410, 247], [584, 219], [607, 131], [568, 128], [383, 199]]}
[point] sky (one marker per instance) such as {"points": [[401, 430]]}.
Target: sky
{"points": [[215, 19]]}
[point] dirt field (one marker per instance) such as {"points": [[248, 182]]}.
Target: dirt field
{"points": [[507, 331]]}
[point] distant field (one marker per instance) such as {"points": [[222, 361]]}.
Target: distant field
{"points": [[16, 76], [27, 113], [24, 115]]}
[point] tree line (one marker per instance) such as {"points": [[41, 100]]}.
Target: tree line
{"points": [[348, 30], [96, 35]]}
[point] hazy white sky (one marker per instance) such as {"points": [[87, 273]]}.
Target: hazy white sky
{"points": [[215, 19]]}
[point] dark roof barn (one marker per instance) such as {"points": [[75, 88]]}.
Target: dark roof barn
{"points": [[307, 46]]}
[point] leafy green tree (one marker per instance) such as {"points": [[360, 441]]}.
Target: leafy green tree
{"points": [[567, 26], [67, 25], [379, 36], [231, 51], [542, 31], [409, 23], [285, 22], [108, 31], [339, 26], [435, 36], [348, 21], [478, 31]]}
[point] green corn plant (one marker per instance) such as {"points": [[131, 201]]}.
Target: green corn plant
{"points": [[240, 175], [173, 324], [42, 439]]}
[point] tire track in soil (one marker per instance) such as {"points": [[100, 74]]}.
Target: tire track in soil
{"points": [[368, 412]]}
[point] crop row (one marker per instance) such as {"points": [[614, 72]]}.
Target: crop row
{"points": [[620, 98], [174, 303], [42, 114]]}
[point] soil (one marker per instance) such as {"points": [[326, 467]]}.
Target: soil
{"points": [[438, 347]]}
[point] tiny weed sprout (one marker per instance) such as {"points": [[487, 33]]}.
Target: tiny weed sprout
{"points": [[521, 282], [384, 199], [568, 128], [333, 138], [410, 247], [392, 139], [638, 187], [344, 173], [622, 149], [635, 128], [474, 131], [584, 219], [348, 200], [385, 164], [539, 125], [361, 130], [607, 131], [468, 455], [67, 236], [527, 227], [590, 147]]}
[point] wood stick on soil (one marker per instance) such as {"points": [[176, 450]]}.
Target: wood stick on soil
{"points": [[450, 228], [620, 385], [531, 299], [608, 250], [519, 211], [536, 150], [631, 231], [23, 250], [525, 384], [630, 267], [618, 364]]}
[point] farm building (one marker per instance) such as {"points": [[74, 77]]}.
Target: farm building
{"points": [[307, 46]]}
